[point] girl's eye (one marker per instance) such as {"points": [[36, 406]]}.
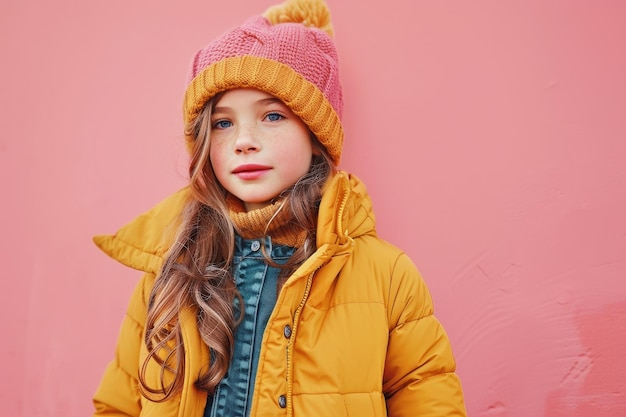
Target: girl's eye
{"points": [[274, 117], [222, 124]]}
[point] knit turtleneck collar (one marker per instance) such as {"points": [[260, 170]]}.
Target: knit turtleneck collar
{"points": [[254, 224]]}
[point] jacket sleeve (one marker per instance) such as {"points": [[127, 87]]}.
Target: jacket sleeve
{"points": [[419, 378], [118, 393]]}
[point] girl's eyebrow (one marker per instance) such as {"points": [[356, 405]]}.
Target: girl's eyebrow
{"points": [[270, 100]]}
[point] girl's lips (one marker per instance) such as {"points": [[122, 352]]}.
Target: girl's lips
{"points": [[250, 171]]}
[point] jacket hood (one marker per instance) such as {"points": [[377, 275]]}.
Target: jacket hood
{"points": [[345, 213]]}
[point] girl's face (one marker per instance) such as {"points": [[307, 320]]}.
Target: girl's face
{"points": [[259, 147]]}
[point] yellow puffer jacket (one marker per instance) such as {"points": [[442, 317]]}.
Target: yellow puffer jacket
{"points": [[352, 332]]}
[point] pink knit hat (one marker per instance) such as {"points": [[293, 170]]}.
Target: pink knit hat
{"points": [[289, 53]]}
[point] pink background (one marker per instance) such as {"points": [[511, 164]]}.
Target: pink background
{"points": [[491, 135]]}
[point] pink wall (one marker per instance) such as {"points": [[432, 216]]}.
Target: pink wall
{"points": [[492, 136]]}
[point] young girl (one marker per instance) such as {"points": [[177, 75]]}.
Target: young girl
{"points": [[266, 289]]}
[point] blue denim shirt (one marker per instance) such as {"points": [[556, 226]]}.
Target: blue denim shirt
{"points": [[256, 282]]}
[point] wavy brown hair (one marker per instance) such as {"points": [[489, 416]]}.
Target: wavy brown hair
{"points": [[196, 273]]}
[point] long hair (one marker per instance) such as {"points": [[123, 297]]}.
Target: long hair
{"points": [[196, 273]]}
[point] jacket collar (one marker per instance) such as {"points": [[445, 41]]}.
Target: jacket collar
{"points": [[345, 213]]}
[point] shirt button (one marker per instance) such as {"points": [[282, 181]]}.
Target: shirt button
{"points": [[287, 331], [282, 401], [255, 246]]}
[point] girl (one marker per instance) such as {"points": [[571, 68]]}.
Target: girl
{"points": [[266, 290]]}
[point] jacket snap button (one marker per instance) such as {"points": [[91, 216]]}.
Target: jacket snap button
{"points": [[282, 401], [287, 331], [255, 245]]}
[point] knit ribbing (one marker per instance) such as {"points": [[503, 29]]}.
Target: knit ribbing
{"points": [[266, 221]]}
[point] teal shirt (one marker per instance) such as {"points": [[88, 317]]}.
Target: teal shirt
{"points": [[256, 282]]}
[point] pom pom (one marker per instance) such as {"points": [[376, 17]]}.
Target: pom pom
{"points": [[312, 13]]}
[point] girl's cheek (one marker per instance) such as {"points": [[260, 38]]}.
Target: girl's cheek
{"points": [[215, 147]]}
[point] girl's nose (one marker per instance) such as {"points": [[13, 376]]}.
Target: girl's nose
{"points": [[246, 140]]}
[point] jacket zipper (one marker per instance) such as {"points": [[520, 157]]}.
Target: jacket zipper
{"points": [[296, 319]]}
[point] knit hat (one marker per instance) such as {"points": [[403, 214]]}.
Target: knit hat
{"points": [[287, 52]]}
